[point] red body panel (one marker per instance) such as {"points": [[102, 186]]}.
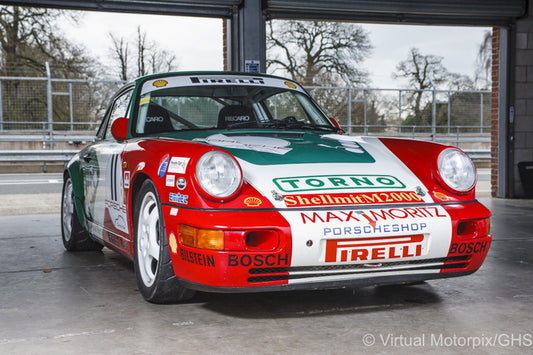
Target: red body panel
{"points": [[237, 266]]}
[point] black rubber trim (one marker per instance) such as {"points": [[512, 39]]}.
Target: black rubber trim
{"points": [[275, 270], [371, 281], [324, 208]]}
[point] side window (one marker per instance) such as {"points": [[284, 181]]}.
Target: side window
{"points": [[120, 109]]}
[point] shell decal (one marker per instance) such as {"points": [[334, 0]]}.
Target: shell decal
{"points": [[252, 201], [160, 83]]}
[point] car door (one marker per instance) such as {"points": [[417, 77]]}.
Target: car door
{"points": [[103, 177]]}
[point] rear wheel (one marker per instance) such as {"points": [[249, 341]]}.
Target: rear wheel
{"points": [[75, 237], [155, 275]]}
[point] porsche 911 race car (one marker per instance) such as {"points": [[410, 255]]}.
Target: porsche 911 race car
{"points": [[231, 182]]}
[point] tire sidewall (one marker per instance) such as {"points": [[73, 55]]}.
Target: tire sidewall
{"points": [[148, 292], [68, 244]]}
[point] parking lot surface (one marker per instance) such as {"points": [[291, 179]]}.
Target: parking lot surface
{"points": [[57, 302]]}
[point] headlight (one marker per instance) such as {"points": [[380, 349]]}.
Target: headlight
{"points": [[457, 170], [218, 174]]}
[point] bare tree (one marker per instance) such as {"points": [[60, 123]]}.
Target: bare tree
{"points": [[149, 57], [313, 52], [29, 37], [120, 54], [422, 72], [484, 61]]}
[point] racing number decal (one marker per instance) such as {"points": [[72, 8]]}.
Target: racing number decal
{"points": [[116, 210]]}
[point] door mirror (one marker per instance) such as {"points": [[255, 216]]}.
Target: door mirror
{"points": [[119, 129]]}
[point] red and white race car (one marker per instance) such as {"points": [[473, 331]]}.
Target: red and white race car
{"points": [[230, 182]]}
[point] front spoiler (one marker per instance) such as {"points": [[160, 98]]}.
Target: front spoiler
{"points": [[371, 281]]}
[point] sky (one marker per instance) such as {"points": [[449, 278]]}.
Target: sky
{"points": [[197, 42]]}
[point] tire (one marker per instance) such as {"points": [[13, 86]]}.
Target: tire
{"points": [[75, 237], [155, 275]]}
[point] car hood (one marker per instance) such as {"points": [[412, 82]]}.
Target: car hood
{"points": [[303, 167]]}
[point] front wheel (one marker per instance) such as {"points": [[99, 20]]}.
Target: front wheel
{"points": [[75, 237], [153, 267]]}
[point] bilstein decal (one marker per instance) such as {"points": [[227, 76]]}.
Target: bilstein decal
{"points": [[359, 198], [337, 182]]}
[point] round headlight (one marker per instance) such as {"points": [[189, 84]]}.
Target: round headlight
{"points": [[457, 170], [218, 174]]}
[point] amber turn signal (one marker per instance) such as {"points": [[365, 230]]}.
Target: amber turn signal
{"points": [[201, 238]]}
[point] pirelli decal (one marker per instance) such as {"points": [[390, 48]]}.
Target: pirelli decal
{"points": [[370, 249], [334, 199]]}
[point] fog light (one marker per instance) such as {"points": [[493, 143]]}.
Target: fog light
{"points": [[262, 240], [201, 238], [474, 228]]}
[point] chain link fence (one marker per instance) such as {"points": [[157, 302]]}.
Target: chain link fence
{"points": [[50, 107]]}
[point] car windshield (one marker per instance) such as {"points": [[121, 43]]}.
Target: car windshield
{"points": [[228, 107]]}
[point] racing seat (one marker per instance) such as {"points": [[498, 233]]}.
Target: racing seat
{"points": [[157, 120], [237, 115]]}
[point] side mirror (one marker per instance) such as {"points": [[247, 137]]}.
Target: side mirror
{"points": [[119, 129]]}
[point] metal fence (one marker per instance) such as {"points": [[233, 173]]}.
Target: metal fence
{"points": [[393, 111], [51, 107], [52, 110]]}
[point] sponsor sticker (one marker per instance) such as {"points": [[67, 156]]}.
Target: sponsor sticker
{"points": [[252, 201], [126, 179], [290, 85], [197, 258], [170, 180], [440, 196], [226, 80], [144, 100], [178, 198], [160, 83], [181, 183], [163, 167], [370, 249], [178, 165], [337, 182], [468, 247], [360, 198], [258, 260]]}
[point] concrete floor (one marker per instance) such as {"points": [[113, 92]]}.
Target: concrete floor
{"points": [[56, 302]]}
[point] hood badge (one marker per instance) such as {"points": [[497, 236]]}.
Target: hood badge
{"points": [[420, 192], [277, 196]]}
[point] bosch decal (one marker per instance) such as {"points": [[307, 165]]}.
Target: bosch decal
{"points": [[468, 248], [258, 260]]}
